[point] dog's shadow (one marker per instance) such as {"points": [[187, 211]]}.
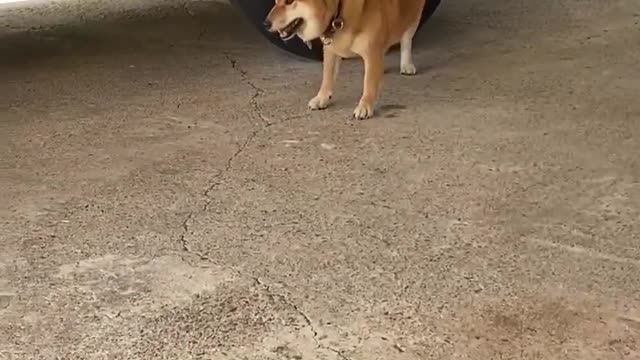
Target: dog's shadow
{"points": [[391, 110]]}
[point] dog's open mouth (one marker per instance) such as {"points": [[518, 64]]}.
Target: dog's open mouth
{"points": [[290, 30]]}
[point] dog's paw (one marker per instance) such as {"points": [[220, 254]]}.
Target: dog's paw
{"points": [[320, 102], [363, 111], [408, 69]]}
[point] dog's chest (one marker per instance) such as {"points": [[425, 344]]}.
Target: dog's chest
{"points": [[346, 45]]}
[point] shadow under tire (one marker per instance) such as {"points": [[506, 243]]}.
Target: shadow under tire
{"points": [[256, 11]]}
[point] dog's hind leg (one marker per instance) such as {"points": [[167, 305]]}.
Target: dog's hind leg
{"points": [[407, 67]]}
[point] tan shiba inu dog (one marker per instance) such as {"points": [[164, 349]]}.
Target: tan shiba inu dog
{"points": [[350, 28]]}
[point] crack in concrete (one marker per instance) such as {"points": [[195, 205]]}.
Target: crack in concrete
{"points": [[297, 309], [202, 24], [187, 220], [186, 227], [242, 146], [258, 91], [184, 243]]}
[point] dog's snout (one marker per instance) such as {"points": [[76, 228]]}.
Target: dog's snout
{"points": [[267, 24]]}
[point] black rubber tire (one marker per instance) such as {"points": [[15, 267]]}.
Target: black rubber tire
{"points": [[256, 11]]}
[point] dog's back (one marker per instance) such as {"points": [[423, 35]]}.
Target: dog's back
{"points": [[389, 19]]}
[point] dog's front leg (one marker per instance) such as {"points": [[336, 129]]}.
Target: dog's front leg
{"points": [[330, 68], [373, 72]]}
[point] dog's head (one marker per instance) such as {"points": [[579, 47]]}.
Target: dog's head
{"points": [[308, 19]]}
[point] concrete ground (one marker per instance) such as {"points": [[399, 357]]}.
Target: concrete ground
{"points": [[167, 195]]}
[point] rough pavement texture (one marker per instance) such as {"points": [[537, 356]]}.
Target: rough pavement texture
{"points": [[166, 194]]}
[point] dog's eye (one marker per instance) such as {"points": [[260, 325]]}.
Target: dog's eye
{"points": [[288, 2]]}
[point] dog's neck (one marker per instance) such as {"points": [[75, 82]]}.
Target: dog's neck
{"points": [[336, 24]]}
